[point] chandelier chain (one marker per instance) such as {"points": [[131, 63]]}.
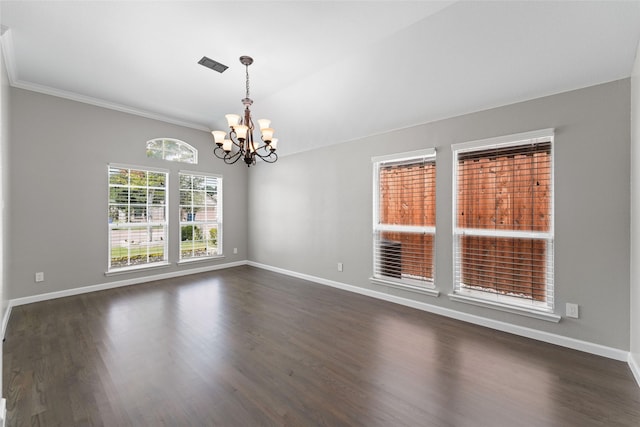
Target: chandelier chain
{"points": [[246, 67]]}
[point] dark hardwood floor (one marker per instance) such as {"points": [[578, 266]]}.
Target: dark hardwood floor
{"points": [[248, 347]]}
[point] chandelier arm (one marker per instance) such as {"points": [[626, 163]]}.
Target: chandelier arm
{"points": [[227, 157], [235, 141], [232, 159], [271, 157]]}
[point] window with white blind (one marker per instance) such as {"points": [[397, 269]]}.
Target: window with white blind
{"points": [[404, 219], [200, 216], [137, 217], [503, 221]]}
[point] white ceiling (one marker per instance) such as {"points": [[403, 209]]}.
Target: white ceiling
{"points": [[325, 72]]}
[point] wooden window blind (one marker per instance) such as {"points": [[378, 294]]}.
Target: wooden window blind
{"points": [[503, 232], [404, 219]]}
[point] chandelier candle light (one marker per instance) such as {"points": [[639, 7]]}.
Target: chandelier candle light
{"points": [[240, 143]]}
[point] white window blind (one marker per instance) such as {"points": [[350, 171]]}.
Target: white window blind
{"points": [[404, 218], [503, 224], [200, 215], [137, 217]]}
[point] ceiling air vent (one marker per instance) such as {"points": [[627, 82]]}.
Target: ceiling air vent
{"points": [[210, 63]]}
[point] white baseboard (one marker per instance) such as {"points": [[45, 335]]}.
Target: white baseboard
{"points": [[589, 347], [5, 319], [3, 412], [634, 364]]}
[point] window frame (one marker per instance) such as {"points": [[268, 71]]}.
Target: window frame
{"points": [[184, 147], [132, 225], [416, 285], [527, 307], [194, 221]]}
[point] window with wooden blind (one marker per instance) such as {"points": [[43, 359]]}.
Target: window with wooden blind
{"points": [[405, 218], [137, 217], [200, 215], [503, 220]]}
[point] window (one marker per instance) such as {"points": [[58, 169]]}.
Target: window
{"points": [[172, 150], [404, 219], [137, 217], [200, 215], [503, 224]]}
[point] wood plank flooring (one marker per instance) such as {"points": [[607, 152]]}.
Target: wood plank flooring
{"points": [[248, 347]]}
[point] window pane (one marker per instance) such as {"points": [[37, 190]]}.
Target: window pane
{"points": [[119, 247], [119, 195], [405, 220], [157, 213], [503, 245], [133, 204], [198, 198], [138, 196], [138, 178], [157, 179], [508, 266], [118, 213], [118, 176], [407, 194], [405, 255], [198, 216], [509, 192], [198, 182], [172, 150], [157, 197], [186, 197], [154, 153]]}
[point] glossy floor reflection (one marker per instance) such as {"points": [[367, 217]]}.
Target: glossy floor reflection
{"points": [[248, 347]]}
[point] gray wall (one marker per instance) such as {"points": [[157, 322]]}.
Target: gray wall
{"points": [[316, 207], [635, 215], [4, 173], [58, 190]]}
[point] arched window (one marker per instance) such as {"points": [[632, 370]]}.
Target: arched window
{"points": [[172, 150]]}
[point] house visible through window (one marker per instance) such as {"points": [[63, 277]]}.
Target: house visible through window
{"points": [[172, 150], [137, 217], [200, 215], [503, 230], [404, 218]]}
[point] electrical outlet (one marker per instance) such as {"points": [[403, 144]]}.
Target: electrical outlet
{"points": [[340, 266], [40, 276], [235, 250], [572, 310]]}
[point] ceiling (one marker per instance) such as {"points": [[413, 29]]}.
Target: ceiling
{"points": [[324, 72]]}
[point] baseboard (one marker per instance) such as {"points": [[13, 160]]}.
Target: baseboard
{"points": [[5, 319], [588, 347], [3, 412], [111, 285], [634, 364]]}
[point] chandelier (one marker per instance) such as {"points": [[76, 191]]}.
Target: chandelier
{"points": [[240, 144]]}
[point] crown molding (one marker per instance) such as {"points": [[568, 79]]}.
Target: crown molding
{"points": [[6, 40]]}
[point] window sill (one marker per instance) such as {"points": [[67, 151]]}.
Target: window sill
{"points": [[132, 269], [200, 259], [405, 287], [536, 314]]}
